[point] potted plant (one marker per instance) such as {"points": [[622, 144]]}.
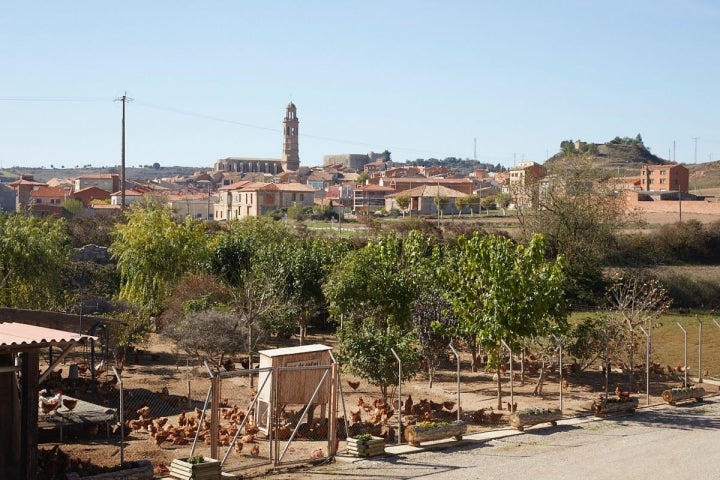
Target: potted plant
{"points": [[603, 405], [195, 468], [534, 416], [366, 445], [678, 394], [428, 431]]}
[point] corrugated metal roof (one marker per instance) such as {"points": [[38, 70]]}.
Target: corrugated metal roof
{"points": [[14, 335], [277, 352]]}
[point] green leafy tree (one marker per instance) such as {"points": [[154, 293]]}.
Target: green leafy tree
{"points": [[504, 291], [73, 206], [379, 281], [403, 201], [440, 201], [366, 350], [462, 203], [33, 255], [435, 327], [153, 251]]}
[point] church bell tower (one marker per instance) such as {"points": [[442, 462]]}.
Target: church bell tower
{"points": [[291, 152]]}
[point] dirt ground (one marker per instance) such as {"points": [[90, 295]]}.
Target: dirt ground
{"points": [[159, 378]]}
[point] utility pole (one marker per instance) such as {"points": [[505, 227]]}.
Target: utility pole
{"points": [[124, 99], [475, 149]]}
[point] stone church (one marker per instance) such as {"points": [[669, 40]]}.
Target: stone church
{"points": [[289, 162]]}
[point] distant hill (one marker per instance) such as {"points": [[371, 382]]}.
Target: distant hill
{"points": [[620, 157], [45, 174]]}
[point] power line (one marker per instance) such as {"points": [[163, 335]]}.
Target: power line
{"points": [[54, 99]]}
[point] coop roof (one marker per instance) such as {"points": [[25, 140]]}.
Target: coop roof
{"points": [[277, 352], [19, 336]]}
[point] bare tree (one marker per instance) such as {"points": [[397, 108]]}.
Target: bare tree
{"points": [[635, 300]]}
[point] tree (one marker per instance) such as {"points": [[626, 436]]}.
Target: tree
{"points": [[462, 203], [435, 327], [33, 255], [208, 335], [156, 166], [362, 178], [73, 206], [635, 300], [488, 203], [440, 202], [403, 201], [474, 201], [579, 220], [366, 351], [152, 251], [379, 282], [504, 291]]}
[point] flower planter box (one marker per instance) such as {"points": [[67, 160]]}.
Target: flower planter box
{"points": [[207, 470], [675, 395], [416, 434], [366, 448], [604, 407], [520, 420]]}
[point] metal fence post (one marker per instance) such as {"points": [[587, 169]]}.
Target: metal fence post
{"points": [[559, 342], [400, 404], [122, 417], [685, 383], [647, 364], [457, 357]]}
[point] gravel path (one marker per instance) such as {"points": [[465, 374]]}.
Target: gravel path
{"points": [[661, 442]]}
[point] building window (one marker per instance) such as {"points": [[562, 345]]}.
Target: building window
{"points": [[662, 181]]}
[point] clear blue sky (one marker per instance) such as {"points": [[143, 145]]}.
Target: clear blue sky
{"points": [[211, 79]]}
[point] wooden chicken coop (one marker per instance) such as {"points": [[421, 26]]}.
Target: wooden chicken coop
{"points": [[291, 377]]}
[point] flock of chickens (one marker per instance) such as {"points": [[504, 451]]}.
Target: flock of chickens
{"points": [[161, 431], [53, 403]]}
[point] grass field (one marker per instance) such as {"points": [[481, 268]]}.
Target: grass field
{"points": [[668, 342]]}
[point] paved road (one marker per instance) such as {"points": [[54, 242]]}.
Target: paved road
{"points": [[660, 442]]}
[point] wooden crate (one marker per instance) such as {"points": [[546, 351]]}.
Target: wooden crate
{"points": [[208, 470], [366, 448]]}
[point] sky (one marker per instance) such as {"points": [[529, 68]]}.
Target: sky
{"points": [[498, 81]]}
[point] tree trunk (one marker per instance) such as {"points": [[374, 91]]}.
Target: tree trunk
{"points": [[541, 380]]}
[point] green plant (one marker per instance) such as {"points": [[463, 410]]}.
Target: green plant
{"points": [[363, 437], [195, 460]]}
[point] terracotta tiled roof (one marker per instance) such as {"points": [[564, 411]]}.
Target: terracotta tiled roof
{"points": [[17, 335], [48, 192]]}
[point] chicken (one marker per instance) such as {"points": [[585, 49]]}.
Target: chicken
{"points": [[408, 405], [144, 411], [251, 429], [161, 470], [255, 450], [248, 438], [317, 454], [353, 385], [50, 404], [160, 422], [228, 364], [82, 368], [564, 383], [449, 405], [160, 438], [238, 447]]}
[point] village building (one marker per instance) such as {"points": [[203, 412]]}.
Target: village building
{"points": [[290, 160]]}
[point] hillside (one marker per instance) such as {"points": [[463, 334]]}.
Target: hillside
{"points": [[45, 174], [621, 159]]}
